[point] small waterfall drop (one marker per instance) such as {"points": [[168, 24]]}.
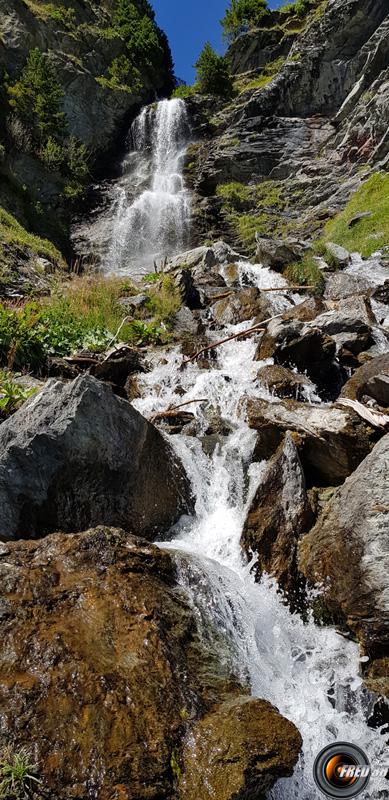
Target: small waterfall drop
{"points": [[148, 213]]}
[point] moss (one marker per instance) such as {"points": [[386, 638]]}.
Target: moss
{"points": [[269, 71], [12, 234], [175, 767], [235, 195], [369, 233], [306, 273]]}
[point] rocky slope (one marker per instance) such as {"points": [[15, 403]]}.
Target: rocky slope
{"points": [[309, 120]]}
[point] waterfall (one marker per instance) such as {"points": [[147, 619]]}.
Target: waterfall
{"points": [[310, 673]]}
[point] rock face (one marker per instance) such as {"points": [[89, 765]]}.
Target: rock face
{"points": [[366, 380], [332, 441], [75, 455], [279, 513], [214, 766], [105, 677], [347, 552]]}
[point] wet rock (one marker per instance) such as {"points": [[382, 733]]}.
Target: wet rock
{"points": [[187, 322], [278, 515], [190, 346], [118, 365], [75, 455], [332, 441], [278, 253], [104, 671], [231, 275], [363, 382], [284, 382], [292, 344], [202, 259], [238, 751], [305, 311], [340, 284], [340, 257], [378, 389], [185, 284], [243, 305], [347, 552], [349, 323]]}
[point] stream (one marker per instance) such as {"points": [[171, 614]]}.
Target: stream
{"points": [[310, 673]]}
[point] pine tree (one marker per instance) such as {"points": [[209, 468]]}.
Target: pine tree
{"points": [[37, 98], [242, 15], [212, 73]]}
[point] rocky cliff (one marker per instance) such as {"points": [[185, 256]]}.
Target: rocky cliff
{"points": [[309, 122]]}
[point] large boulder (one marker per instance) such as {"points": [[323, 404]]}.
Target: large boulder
{"points": [[332, 441], [105, 677], [75, 455], [278, 253], [278, 515], [349, 323], [237, 752], [284, 382], [347, 552]]}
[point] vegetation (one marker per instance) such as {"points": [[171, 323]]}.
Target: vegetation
{"points": [[12, 234], [306, 273], [299, 7], [37, 98], [60, 13], [254, 209], [267, 74], [84, 313], [370, 233], [12, 396], [147, 48], [212, 73], [183, 91], [17, 775], [241, 15]]}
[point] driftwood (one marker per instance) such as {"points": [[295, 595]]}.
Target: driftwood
{"points": [[172, 410], [287, 288], [256, 329], [376, 418]]}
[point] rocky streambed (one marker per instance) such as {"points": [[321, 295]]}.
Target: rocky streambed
{"points": [[217, 663]]}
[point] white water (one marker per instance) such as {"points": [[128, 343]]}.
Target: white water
{"points": [[311, 674], [149, 210]]}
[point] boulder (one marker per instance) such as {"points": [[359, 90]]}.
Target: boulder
{"points": [[238, 751], [185, 321], [105, 676], [294, 344], [242, 305], [347, 552], [332, 441], [279, 513], [370, 379], [349, 323], [278, 253], [284, 382], [340, 257], [76, 455], [202, 259]]}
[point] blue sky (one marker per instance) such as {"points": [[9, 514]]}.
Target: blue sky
{"points": [[190, 23]]}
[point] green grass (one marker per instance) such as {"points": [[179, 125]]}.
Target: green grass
{"points": [[270, 70], [46, 11], [306, 273], [84, 313], [17, 775], [254, 208], [12, 234], [371, 233]]}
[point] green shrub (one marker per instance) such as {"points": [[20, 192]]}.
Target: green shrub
{"points": [[306, 273], [67, 16], [236, 195], [269, 71], [242, 15], [212, 73], [184, 91], [369, 233], [165, 300], [12, 396], [52, 154], [37, 99], [12, 234]]}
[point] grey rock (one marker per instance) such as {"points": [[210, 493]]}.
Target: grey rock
{"points": [[278, 253], [378, 388], [348, 551], [364, 377], [75, 455], [242, 305], [185, 321], [285, 382], [332, 440], [339, 254]]}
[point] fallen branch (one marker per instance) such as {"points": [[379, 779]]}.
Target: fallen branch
{"points": [[287, 288], [376, 418], [121, 326], [256, 329], [171, 411]]}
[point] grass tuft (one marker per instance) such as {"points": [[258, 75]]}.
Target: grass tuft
{"points": [[370, 233]]}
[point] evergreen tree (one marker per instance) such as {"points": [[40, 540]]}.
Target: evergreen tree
{"points": [[37, 98], [242, 15], [212, 73]]}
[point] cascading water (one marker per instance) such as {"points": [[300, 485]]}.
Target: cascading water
{"points": [[148, 213], [310, 673]]}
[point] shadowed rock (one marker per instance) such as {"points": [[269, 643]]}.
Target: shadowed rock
{"points": [[75, 455]]}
